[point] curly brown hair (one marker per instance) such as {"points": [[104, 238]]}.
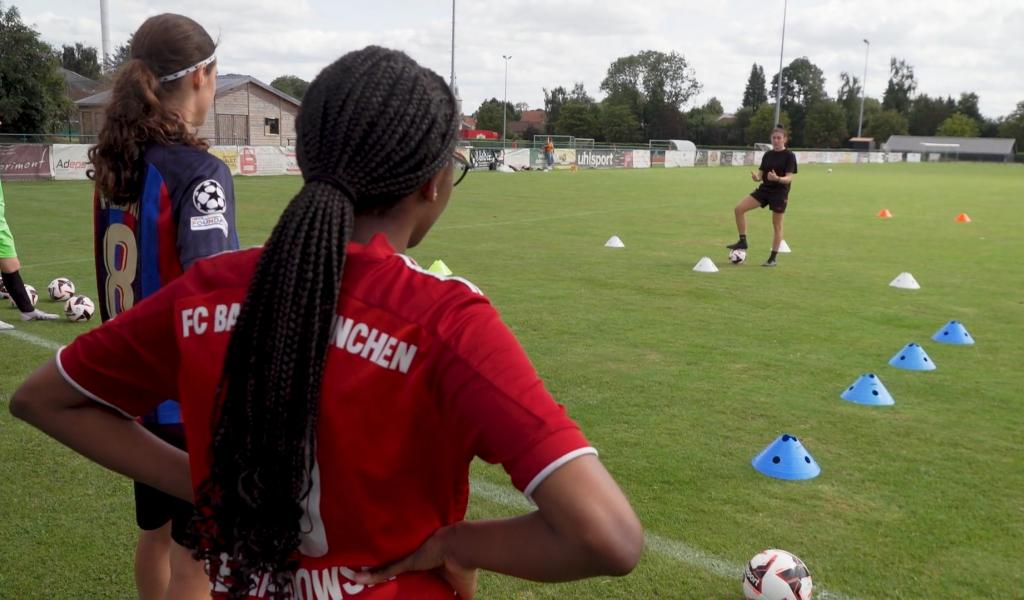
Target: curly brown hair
{"points": [[136, 115]]}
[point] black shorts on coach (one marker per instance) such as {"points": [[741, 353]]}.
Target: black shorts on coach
{"points": [[153, 508], [777, 202]]}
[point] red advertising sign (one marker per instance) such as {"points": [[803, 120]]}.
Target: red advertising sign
{"points": [[21, 162]]}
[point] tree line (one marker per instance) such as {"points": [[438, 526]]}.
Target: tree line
{"points": [[644, 96]]}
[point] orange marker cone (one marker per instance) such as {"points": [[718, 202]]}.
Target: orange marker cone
{"points": [[885, 214], [963, 218]]}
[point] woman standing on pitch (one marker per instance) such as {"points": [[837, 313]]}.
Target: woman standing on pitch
{"points": [[161, 202], [778, 166], [334, 391], [10, 275]]}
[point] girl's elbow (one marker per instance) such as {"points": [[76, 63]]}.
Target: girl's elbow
{"points": [[20, 406], [617, 549]]}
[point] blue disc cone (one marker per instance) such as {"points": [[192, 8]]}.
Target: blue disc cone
{"points": [[912, 357], [868, 389], [786, 458], [953, 332]]}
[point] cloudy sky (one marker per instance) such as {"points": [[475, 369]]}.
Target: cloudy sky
{"points": [[953, 45]]}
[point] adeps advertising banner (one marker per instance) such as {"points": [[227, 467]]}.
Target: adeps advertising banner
{"points": [[70, 161]]}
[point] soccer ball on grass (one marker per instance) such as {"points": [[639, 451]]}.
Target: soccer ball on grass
{"points": [[776, 575], [79, 308], [737, 256], [61, 289]]}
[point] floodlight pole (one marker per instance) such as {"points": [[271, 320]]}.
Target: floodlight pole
{"points": [[451, 82], [782, 46], [504, 104], [863, 86], [104, 33]]}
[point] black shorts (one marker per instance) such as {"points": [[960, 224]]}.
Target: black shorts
{"points": [[777, 202], [153, 508]]}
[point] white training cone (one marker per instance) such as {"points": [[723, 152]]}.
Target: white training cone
{"points": [[784, 248], [704, 265], [614, 242], [905, 281]]}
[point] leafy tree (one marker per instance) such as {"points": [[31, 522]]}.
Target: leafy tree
{"points": [[654, 85], [849, 98], [81, 59], [754, 95], [886, 123], [967, 105], [803, 85], [290, 84], [522, 107], [959, 125], [762, 123], [579, 94], [900, 88], [826, 125], [1012, 126], [489, 115], [553, 102], [714, 107], [32, 94], [618, 124], [576, 118], [926, 113], [990, 128], [118, 57]]}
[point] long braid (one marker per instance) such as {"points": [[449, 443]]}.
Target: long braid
{"points": [[374, 126]]}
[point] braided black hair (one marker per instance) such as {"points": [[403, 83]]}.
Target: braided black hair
{"points": [[374, 127]]}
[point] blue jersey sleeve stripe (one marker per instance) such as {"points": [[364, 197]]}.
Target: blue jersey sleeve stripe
{"points": [[149, 214]]}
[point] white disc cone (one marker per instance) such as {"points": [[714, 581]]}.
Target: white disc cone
{"points": [[905, 281], [784, 248], [705, 265], [614, 242]]}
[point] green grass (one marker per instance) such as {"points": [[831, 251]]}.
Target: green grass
{"points": [[679, 378]]}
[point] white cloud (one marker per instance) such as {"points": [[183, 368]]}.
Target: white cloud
{"points": [[953, 45]]}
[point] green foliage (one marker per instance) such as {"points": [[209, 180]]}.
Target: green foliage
{"points": [[959, 125], [618, 124], [901, 86], [577, 118], [654, 85], [886, 123], [33, 98], [489, 115], [754, 95], [967, 105], [762, 123], [803, 85], [121, 54], [826, 125], [553, 102], [292, 85], [927, 113], [1012, 125], [81, 59], [849, 98]]}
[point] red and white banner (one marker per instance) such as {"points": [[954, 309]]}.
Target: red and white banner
{"points": [[24, 162]]}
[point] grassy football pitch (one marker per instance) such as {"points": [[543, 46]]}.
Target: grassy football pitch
{"points": [[678, 378]]}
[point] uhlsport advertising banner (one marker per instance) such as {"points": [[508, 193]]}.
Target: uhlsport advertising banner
{"points": [[23, 162], [595, 159], [70, 161]]}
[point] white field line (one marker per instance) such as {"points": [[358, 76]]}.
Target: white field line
{"points": [[513, 499], [667, 547]]}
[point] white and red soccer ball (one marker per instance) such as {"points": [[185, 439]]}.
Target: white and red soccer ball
{"points": [[79, 308], [61, 289], [776, 575]]}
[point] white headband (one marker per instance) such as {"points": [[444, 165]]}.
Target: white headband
{"points": [[192, 69]]}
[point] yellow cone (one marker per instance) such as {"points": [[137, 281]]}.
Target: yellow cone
{"points": [[439, 268]]}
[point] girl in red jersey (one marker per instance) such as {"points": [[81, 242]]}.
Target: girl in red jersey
{"points": [[334, 392], [161, 202]]}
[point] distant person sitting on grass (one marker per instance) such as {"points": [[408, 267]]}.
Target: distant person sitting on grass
{"points": [[10, 271], [778, 166]]}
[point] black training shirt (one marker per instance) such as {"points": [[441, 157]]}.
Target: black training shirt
{"points": [[781, 162]]}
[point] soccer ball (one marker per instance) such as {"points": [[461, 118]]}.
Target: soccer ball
{"points": [[32, 295], [776, 575], [830, 170], [79, 308], [61, 289], [737, 256], [209, 197], [3, 289]]}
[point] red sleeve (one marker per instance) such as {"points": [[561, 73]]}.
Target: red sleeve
{"points": [[129, 363], [501, 407]]}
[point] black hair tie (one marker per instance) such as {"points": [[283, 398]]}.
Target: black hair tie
{"points": [[334, 182]]}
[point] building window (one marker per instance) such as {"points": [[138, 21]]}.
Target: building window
{"points": [[271, 126]]}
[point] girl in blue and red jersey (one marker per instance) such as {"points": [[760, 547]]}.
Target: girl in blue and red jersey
{"points": [[335, 392], [161, 202]]}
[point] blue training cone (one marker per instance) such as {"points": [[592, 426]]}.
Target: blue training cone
{"points": [[912, 357], [786, 458], [868, 389], [953, 332]]}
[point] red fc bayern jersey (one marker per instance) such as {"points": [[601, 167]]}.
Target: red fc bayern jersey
{"points": [[421, 377]]}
